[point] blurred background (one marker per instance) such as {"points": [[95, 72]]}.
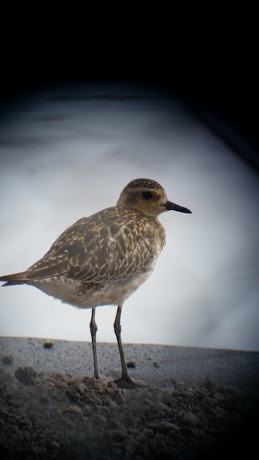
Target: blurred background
{"points": [[73, 135]]}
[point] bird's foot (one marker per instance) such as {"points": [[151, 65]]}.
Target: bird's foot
{"points": [[128, 382]]}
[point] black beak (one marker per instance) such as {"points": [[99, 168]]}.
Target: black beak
{"points": [[175, 207]]}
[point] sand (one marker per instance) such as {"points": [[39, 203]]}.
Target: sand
{"points": [[190, 403]]}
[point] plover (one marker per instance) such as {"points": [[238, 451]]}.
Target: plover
{"points": [[104, 258]]}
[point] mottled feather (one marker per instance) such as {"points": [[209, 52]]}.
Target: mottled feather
{"points": [[112, 244], [103, 258]]}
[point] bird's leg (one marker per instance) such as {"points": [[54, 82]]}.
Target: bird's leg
{"points": [[117, 329], [93, 329]]}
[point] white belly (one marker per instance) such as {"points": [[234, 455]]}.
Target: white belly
{"points": [[90, 295]]}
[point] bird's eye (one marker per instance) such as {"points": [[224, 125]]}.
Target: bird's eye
{"points": [[147, 195]]}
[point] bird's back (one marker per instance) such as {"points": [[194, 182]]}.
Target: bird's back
{"points": [[99, 260]]}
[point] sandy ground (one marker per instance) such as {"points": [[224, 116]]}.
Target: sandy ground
{"points": [[192, 403]]}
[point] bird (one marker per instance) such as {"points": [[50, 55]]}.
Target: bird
{"points": [[102, 259]]}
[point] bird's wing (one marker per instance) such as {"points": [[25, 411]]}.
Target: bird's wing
{"points": [[101, 248]]}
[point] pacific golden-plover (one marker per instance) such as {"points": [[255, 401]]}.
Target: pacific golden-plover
{"points": [[104, 258]]}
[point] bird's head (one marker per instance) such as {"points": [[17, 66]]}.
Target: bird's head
{"points": [[147, 197]]}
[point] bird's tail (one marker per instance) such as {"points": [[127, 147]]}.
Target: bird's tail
{"points": [[12, 280]]}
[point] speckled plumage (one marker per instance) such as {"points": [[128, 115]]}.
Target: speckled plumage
{"points": [[104, 258], [100, 259]]}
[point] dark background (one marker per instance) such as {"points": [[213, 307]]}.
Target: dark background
{"points": [[209, 62]]}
